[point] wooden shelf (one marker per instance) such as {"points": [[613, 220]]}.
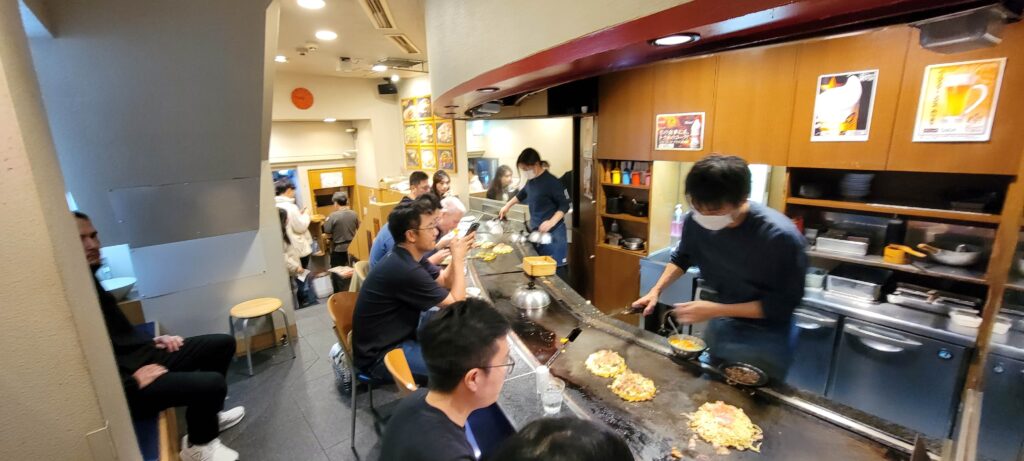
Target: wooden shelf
{"points": [[970, 216], [618, 248], [625, 217], [1016, 282], [923, 268], [627, 186]]}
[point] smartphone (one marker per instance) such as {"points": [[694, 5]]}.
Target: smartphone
{"points": [[473, 227]]}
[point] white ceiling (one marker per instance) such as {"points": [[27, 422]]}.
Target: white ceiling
{"points": [[357, 37]]}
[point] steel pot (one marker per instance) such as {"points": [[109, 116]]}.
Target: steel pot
{"points": [[529, 297], [952, 254], [633, 243], [613, 205]]}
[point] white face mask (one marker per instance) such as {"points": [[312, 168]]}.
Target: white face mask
{"points": [[712, 223], [526, 175]]}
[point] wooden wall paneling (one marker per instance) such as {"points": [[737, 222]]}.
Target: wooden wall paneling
{"points": [[685, 86], [884, 50], [624, 105], [1002, 153], [754, 104], [616, 279]]}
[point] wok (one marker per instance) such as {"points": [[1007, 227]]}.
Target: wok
{"points": [[952, 253]]}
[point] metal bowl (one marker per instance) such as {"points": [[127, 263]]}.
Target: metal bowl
{"points": [[687, 354], [633, 243], [732, 372]]}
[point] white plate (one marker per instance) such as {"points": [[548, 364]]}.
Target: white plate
{"points": [[473, 291]]}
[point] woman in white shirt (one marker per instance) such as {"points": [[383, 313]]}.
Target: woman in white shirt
{"points": [[297, 227]]}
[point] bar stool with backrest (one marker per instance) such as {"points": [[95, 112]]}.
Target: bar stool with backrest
{"points": [[256, 308]]}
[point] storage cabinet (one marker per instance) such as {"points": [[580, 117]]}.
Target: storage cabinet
{"points": [[616, 278], [1001, 437], [812, 355], [1002, 153], [883, 50], [685, 86], [627, 131], [754, 104]]}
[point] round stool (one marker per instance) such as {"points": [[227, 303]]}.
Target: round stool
{"points": [[255, 308]]}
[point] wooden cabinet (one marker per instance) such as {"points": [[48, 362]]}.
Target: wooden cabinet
{"points": [[685, 86], [883, 50], [626, 131], [616, 278], [754, 104], [1001, 154]]}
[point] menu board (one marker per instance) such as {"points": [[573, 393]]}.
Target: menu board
{"points": [[842, 106], [683, 131], [429, 142], [958, 101]]}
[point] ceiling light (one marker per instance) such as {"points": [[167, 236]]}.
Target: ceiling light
{"points": [[312, 4], [330, 120], [280, 58], [350, 130], [675, 39], [395, 78], [489, 89], [326, 35], [379, 68]]}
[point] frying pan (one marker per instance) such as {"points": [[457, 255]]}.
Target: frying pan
{"points": [[952, 254]]}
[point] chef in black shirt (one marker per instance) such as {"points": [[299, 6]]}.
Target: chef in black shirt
{"points": [[549, 202]]}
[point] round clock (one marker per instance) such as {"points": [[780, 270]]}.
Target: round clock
{"points": [[302, 98]]}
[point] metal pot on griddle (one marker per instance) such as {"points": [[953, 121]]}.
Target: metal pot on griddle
{"points": [[530, 297]]}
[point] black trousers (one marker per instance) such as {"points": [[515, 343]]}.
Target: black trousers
{"points": [[339, 258], [195, 380]]}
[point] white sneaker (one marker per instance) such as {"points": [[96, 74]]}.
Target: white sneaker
{"points": [[229, 418], [213, 451]]}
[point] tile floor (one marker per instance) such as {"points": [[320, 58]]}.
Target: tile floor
{"points": [[294, 411]]}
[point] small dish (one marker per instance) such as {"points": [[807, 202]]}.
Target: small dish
{"points": [[965, 318], [473, 292]]}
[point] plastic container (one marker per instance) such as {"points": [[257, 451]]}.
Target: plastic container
{"points": [[815, 278], [543, 376], [676, 231], [841, 246], [965, 318], [539, 266]]}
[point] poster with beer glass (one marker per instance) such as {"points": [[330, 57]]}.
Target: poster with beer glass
{"points": [[679, 131], [958, 101], [843, 105]]}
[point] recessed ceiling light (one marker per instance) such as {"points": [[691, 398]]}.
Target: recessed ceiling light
{"points": [[280, 58], [489, 89], [675, 39], [330, 120], [379, 68], [395, 78], [326, 35], [312, 4]]}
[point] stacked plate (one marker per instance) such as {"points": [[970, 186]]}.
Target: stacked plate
{"points": [[856, 185]]}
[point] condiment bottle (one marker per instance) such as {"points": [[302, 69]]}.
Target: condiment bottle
{"points": [[626, 177], [636, 177], [607, 179], [616, 175]]}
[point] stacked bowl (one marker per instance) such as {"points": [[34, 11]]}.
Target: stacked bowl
{"points": [[855, 185]]}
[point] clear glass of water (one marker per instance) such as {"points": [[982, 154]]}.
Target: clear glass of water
{"points": [[551, 397]]}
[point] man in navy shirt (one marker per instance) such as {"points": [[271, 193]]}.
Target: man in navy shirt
{"points": [[548, 202], [400, 288], [751, 255]]}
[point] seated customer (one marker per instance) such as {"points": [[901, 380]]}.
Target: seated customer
{"points": [[401, 287], [564, 439], [451, 211], [169, 371], [467, 353]]}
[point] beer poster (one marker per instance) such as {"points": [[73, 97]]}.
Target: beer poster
{"points": [[958, 101], [843, 105], [683, 131]]}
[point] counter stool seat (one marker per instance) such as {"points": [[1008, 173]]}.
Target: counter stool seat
{"points": [[256, 308]]}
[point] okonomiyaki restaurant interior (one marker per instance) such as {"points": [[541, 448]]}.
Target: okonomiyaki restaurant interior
{"points": [[442, 230]]}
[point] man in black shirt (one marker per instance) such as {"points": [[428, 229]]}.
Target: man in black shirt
{"points": [[400, 287], [341, 225], [467, 354], [169, 371]]}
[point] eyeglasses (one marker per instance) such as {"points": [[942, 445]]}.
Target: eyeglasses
{"points": [[511, 364]]}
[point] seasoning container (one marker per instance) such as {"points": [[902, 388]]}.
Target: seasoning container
{"points": [[626, 176], [616, 175], [636, 178], [895, 230], [607, 178]]}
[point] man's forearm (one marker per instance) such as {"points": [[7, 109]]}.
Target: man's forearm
{"points": [[555, 218], [458, 279], [747, 310], [671, 273]]}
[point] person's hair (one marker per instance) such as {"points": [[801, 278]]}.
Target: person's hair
{"points": [[340, 198], [429, 201], [440, 175], [408, 216], [528, 157], [472, 169], [453, 204], [495, 189], [544, 164], [282, 214], [282, 185], [80, 215], [718, 180], [564, 439], [417, 177], [459, 338]]}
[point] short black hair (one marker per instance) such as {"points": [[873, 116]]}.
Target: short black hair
{"points": [[528, 157], [564, 439], [340, 198], [429, 201], [80, 215], [282, 186], [417, 177], [718, 180], [407, 216], [459, 338]]}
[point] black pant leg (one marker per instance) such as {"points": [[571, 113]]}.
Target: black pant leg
{"points": [[201, 392], [203, 353], [305, 262], [339, 258]]}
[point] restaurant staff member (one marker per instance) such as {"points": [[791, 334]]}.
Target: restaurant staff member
{"points": [[751, 255], [548, 202]]}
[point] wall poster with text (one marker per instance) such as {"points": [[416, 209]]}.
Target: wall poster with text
{"points": [[842, 106], [683, 131], [958, 101]]}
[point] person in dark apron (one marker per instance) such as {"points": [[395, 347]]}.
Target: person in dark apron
{"points": [[751, 256], [549, 202]]}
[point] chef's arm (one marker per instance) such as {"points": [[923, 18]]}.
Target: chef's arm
{"points": [[508, 206], [790, 265], [747, 310], [671, 273], [556, 218]]}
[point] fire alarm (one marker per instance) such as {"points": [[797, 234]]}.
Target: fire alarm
{"points": [[302, 98]]}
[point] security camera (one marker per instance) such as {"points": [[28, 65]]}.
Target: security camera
{"points": [[309, 47]]}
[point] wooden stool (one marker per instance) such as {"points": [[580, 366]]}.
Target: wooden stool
{"points": [[255, 308]]}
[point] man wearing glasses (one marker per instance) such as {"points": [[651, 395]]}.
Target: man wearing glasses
{"points": [[467, 353], [401, 287]]}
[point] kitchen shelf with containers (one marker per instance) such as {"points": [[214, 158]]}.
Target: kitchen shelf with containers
{"points": [[623, 204]]}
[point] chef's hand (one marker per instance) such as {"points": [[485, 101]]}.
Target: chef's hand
{"points": [[171, 343], [546, 226], [696, 311], [147, 374], [503, 211], [647, 302]]}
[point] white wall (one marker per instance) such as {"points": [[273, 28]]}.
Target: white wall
{"points": [[552, 137], [310, 141]]}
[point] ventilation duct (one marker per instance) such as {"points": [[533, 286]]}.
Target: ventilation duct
{"points": [[967, 30], [379, 13], [403, 43]]}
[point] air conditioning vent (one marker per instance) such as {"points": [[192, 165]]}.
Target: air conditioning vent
{"points": [[404, 43], [379, 13]]}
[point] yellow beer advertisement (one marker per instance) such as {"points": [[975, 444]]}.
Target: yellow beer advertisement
{"points": [[958, 101]]}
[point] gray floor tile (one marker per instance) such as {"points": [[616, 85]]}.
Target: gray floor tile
{"points": [[279, 431], [367, 447]]}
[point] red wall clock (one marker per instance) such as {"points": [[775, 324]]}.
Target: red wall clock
{"points": [[302, 98]]}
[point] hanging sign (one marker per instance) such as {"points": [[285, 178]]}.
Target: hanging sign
{"points": [[958, 101], [684, 131]]}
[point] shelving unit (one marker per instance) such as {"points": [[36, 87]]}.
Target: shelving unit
{"points": [[922, 268], [626, 186], [626, 217], [618, 248], [880, 208], [630, 225], [1016, 282]]}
